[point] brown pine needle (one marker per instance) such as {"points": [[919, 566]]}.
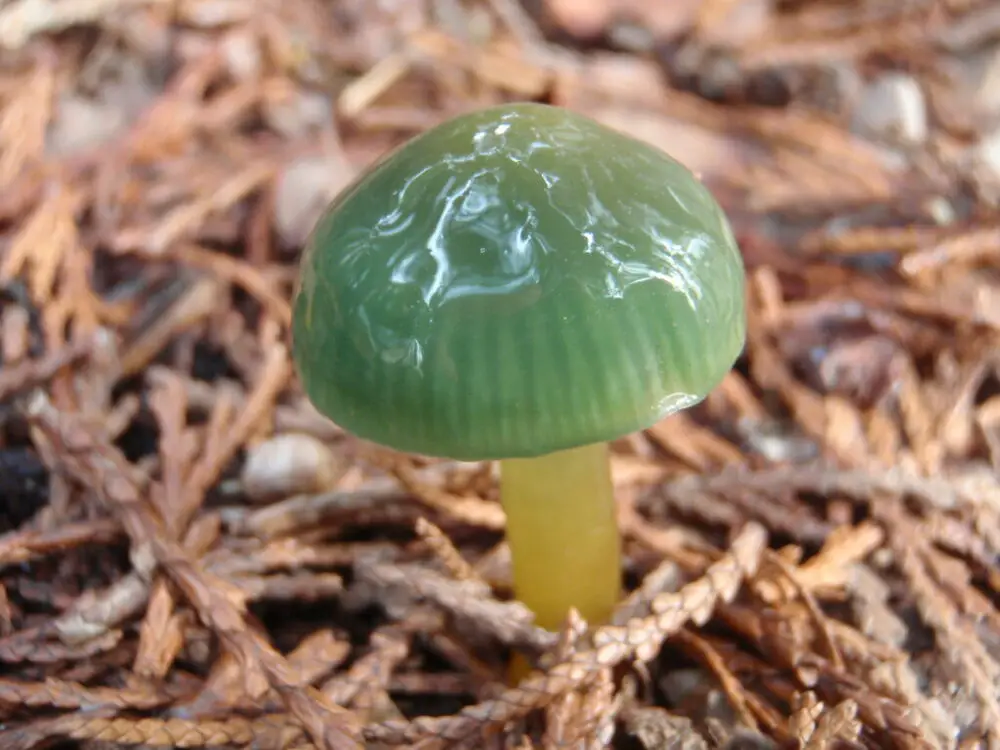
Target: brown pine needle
{"points": [[811, 555]]}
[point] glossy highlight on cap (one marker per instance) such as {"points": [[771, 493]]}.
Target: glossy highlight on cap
{"points": [[513, 282]]}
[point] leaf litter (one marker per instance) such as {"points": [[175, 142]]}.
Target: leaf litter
{"points": [[190, 556]]}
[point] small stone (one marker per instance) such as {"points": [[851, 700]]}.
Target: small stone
{"points": [[631, 37], [289, 464], [304, 189], [941, 211], [988, 154], [241, 52], [81, 124], [983, 164], [776, 441], [982, 82], [893, 108]]}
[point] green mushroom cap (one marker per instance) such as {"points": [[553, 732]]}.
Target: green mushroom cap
{"points": [[517, 281]]}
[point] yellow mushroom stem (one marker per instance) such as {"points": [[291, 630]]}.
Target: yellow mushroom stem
{"points": [[563, 534]]}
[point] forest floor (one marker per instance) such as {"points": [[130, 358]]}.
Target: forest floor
{"points": [[191, 557]]}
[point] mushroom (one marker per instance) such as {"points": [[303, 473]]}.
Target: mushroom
{"points": [[522, 284]]}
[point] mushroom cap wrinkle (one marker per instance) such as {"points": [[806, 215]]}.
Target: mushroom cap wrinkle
{"points": [[513, 282]]}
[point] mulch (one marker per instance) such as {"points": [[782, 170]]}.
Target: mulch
{"points": [[191, 556]]}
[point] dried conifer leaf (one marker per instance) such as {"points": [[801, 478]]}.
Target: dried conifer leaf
{"points": [[150, 163], [637, 639]]}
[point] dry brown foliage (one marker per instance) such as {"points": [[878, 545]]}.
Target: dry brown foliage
{"points": [[813, 551]]}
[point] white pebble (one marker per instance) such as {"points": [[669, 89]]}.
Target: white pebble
{"points": [[893, 107], [303, 191], [289, 464], [83, 124], [981, 82], [988, 154], [241, 52]]}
